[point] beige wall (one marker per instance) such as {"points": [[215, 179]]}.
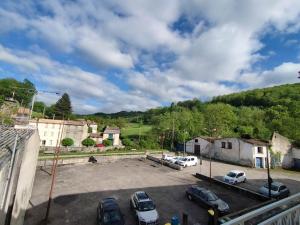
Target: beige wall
{"points": [[26, 179], [205, 146]]}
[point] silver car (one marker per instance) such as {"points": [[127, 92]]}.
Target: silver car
{"points": [[278, 190]]}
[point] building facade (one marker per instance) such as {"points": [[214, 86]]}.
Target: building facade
{"points": [[247, 152], [113, 134], [51, 130]]}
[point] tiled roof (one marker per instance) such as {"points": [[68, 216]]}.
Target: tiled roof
{"points": [[112, 130], [66, 122], [8, 136], [256, 142]]}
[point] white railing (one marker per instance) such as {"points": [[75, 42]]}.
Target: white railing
{"points": [[288, 217]]}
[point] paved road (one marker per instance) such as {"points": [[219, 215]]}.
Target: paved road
{"points": [[255, 177], [80, 187]]}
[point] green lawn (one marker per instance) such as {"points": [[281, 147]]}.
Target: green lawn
{"points": [[133, 129]]}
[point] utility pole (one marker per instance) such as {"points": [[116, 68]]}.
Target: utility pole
{"points": [[173, 132], [53, 170], [268, 171]]}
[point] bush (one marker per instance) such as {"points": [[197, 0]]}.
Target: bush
{"points": [[67, 142], [107, 142], [88, 142], [127, 142]]}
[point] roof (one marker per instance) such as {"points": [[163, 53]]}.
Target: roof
{"points": [[109, 203], [256, 142], [8, 137], [112, 130], [142, 196], [236, 171], [66, 122], [96, 135]]}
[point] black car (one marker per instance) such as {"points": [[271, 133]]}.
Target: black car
{"points": [[207, 198], [109, 213]]}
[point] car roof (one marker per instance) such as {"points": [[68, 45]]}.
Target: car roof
{"points": [[109, 204], [236, 171], [142, 196]]}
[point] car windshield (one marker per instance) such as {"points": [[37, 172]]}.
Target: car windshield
{"points": [[211, 196], [184, 159], [231, 174], [146, 206], [273, 187], [111, 216]]}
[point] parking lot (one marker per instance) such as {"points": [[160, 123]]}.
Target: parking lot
{"points": [[80, 187]]}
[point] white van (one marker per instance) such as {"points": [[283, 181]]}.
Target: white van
{"points": [[188, 161]]}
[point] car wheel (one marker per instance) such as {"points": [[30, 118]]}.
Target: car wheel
{"points": [[130, 203], [245, 180], [235, 182], [190, 197]]}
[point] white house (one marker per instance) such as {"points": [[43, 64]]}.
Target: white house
{"points": [[248, 152], [112, 133], [49, 131], [200, 145]]}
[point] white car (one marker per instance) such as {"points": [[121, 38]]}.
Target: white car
{"points": [[144, 209], [188, 161], [167, 157], [175, 159], [235, 176]]}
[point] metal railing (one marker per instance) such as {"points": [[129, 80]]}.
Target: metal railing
{"points": [[289, 215]]}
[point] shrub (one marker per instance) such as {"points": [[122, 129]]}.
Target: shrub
{"points": [[88, 142], [67, 142], [127, 142], [107, 142]]}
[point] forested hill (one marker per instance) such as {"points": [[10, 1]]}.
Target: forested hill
{"points": [[284, 95]]}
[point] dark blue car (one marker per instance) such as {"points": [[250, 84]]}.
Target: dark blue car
{"points": [[109, 213]]}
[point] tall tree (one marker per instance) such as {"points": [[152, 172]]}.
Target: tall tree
{"points": [[63, 108]]}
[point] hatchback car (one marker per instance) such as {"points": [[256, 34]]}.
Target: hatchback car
{"points": [[188, 161], [278, 190], [144, 208], [207, 198], [235, 176], [109, 213]]}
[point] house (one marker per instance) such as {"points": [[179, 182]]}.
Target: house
{"points": [[113, 134], [50, 131], [284, 153], [200, 145], [247, 152], [19, 150], [97, 137]]}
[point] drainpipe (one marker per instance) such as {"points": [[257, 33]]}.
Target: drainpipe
{"points": [[11, 167]]}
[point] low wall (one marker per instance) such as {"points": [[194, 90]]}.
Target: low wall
{"points": [[159, 160], [84, 159], [249, 193]]}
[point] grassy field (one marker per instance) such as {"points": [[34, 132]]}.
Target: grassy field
{"points": [[133, 129]]}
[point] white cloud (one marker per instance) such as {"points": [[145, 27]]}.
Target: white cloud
{"points": [[126, 35]]}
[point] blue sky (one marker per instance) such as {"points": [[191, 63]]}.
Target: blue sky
{"points": [[133, 55]]}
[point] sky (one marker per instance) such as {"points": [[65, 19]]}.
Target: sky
{"points": [[134, 55]]}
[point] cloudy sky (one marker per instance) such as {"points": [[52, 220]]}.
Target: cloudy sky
{"points": [[137, 54]]}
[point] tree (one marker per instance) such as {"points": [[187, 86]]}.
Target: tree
{"points": [[88, 142], [67, 142], [107, 142], [63, 108], [39, 107]]}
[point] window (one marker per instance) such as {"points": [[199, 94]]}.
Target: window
{"points": [[229, 145], [50, 142], [110, 136], [196, 140], [259, 150], [43, 142], [223, 144]]}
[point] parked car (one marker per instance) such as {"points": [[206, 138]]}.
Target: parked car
{"points": [[188, 161], [235, 176], [175, 159], [109, 213], [278, 190], [144, 208], [167, 157], [207, 198]]}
